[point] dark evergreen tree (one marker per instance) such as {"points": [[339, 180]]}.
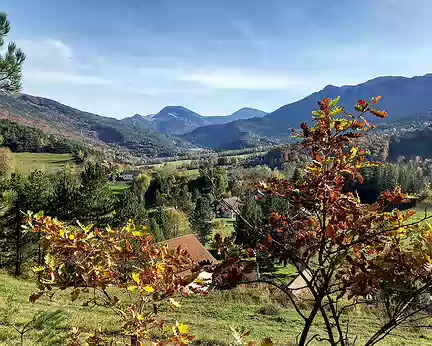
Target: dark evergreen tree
{"points": [[163, 221], [95, 196], [127, 206], [251, 219], [296, 176], [201, 218], [11, 61], [155, 230], [65, 201], [32, 193]]}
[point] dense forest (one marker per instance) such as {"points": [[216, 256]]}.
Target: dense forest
{"points": [[21, 138]]}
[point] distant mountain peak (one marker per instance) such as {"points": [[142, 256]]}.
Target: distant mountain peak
{"points": [[179, 119]]}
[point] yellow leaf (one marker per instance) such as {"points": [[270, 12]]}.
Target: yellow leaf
{"points": [[137, 233], [62, 233], [71, 237], [136, 278], [183, 329], [149, 289]]}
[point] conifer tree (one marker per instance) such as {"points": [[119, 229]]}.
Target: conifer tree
{"points": [[155, 230], [296, 176], [66, 194], [11, 61], [127, 206], [201, 218], [95, 196]]}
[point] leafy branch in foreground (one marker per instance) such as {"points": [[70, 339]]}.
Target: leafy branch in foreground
{"points": [[346, 253], [123, 270]]}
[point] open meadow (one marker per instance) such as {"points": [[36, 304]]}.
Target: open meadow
{"points": [[257, 308], [27, 162]]}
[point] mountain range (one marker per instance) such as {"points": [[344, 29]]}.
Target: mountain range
{"points": [[402, 97], [178, 120], [175, 129]]}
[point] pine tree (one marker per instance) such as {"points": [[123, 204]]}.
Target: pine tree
{"points": [[95, 196], [163, 222], [155, 230], [127, 206], [252, 212], [296, 176], [66, 194], [201, 218], [12, 60], [32, 193]]}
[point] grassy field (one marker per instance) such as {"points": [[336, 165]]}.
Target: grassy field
{"points": [[26, 162], [265, 312], [118, 186]]}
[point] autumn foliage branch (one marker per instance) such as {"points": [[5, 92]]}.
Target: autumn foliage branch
{"points": [[346, 252], [131, 275]]}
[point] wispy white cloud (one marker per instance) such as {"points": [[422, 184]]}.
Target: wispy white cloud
{"points": [[243, 80], [46, 50], [52, 61], [64, 50]]}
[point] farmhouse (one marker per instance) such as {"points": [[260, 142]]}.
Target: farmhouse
{"points": [[129, 175], [200, 255], [228, 207]]}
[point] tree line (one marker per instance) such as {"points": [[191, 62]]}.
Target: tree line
{"points": [[21, 138]]}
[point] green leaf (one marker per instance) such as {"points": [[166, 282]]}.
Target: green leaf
{"points": [[336, 111], [318, 114], [132, 288], [334, 102], [136, 278], [38, 269]]}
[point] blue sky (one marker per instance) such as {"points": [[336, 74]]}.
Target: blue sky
{"points": [[121, 57]]}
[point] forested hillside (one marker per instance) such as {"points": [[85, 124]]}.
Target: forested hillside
{"points": [[54, 117]]}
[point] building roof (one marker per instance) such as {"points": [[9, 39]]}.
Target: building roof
{"points": [[193, 246], [131, 172], [231, 203]]}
